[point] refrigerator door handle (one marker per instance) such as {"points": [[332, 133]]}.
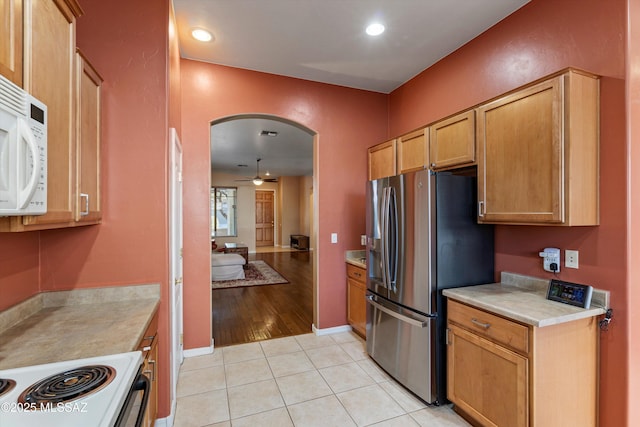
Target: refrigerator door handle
{"points": [[409, 320], [393, 231], [384, 241]]}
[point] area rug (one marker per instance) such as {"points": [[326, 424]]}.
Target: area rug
{"points": [[257, 273]]}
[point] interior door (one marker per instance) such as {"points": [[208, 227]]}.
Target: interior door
{"points": [[264, 218], [175, 236]]}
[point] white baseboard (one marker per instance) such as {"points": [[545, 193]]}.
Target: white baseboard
{"points": [[329, 331], [168, 421], [193, 352]]}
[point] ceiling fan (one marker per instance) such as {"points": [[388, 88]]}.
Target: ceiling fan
{"points": [[258, 180]]}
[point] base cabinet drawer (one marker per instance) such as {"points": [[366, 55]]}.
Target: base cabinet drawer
{"points": [[495, 328]]}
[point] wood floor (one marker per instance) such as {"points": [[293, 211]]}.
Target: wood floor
{"points": [[256, 313]]}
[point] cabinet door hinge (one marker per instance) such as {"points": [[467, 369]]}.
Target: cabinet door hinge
{"points": [[447, 338]]}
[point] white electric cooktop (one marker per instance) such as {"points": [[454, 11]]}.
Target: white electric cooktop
{"points": [[99, 408]]}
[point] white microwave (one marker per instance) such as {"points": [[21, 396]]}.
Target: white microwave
{"points": [[23, 152]]}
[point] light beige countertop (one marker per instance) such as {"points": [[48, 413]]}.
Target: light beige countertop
{"points": [[65, 325], [357, 258], [523, 299]]}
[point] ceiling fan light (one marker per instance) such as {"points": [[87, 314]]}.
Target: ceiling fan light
{"points": [[257, 180]]}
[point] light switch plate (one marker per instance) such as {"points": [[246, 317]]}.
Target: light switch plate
{"points": [[334, 237]]}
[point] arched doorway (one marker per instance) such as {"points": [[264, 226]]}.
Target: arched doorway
{"points": [[281, 153]]}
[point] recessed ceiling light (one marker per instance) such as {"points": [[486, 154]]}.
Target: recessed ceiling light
{"points": [[201, 35], [375, 29]]}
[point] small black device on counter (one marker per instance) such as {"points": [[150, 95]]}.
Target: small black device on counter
{"points": [[570, 293]]}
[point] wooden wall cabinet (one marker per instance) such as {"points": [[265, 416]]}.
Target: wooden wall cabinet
{"points": [[49, 76], [11, 40], [538, 153], [87, 192], [70, 88], [413, 152], [382, 160], [452, 142], [503, 373], [356, 303]]}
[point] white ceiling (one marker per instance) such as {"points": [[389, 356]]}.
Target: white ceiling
{"points": [[324, 40], [237, 142]]}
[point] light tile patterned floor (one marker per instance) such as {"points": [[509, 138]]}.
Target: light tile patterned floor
{"points": [[302, 381]]}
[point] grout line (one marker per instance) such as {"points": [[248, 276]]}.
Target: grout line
{"points": [[315, 369]]}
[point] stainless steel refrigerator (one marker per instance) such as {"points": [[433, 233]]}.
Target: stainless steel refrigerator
{"points": [[422, 237]]}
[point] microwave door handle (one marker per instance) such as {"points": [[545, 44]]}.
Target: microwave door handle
{"points": [[24, 195]]}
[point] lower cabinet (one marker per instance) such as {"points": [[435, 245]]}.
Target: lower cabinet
{"points": [[149, 347], [486, 380], [150, 369], [507, 374], [356, 303]]}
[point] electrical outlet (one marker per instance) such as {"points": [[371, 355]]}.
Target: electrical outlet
{"points": [[334, 237], [570, 259]]}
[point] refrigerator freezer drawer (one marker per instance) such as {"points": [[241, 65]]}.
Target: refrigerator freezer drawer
{"points": [[401, 342]]}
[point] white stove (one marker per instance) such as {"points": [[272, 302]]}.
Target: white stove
{"points": [[109, 377]]}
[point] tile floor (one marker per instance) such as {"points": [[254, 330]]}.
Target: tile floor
{"points": [[303, 381]]}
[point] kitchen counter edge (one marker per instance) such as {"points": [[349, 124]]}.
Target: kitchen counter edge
{"points": [[354, 257], [108, 334], [523, 299]]}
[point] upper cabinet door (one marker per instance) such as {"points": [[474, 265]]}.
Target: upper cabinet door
{"points": [[538, 151], [49, 76], [88, 206], [452, 141], [11, 40], [382, 160], [413, 151]]}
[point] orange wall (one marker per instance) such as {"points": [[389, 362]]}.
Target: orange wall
{"points": [[128, 43], [540, 38], [633, 254], [347, 122], [19, 267]]}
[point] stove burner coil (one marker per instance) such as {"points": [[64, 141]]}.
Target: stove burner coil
{"points": [[6, 385], [68, 385]]}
